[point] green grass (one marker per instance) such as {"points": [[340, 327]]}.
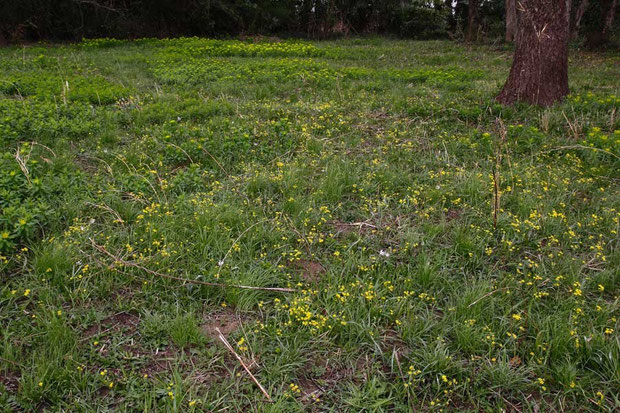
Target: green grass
{"points": [[358, 173]]}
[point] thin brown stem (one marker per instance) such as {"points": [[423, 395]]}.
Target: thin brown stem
{"points": [[125, 263], [232, 350]]}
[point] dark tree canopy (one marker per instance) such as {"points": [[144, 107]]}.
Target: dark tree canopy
{"points": [[474, 20], [74, 19]]}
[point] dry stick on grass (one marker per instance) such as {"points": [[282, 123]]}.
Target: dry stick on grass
{"points": [[360, 224], [22, 161], [135, 172], [402, 376], [572, 126], [495, 195], [109, 168], [107, 208], [187, 280], [485, 296], [14, 363], [232, 350], [516, 409], [307, 243], [216, 161], [182, 150], [561, 148], [44, 146], [496, 177]]}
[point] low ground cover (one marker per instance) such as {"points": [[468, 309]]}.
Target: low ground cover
{"points": [[446, 253]]}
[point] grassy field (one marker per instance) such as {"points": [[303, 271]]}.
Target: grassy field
{"points": [[434, 251]]}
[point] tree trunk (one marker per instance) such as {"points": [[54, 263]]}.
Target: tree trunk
{"points": [[576, 22], [609, 18], [472, 21], [539, 72], [600, 36], [511, 20]]}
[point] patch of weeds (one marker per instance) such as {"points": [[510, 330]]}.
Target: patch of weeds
{"points": [[327, 206]]}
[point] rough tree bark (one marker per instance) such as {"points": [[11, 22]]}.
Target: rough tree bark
{"points": [[472, 21], [511, 20], [600, 36], [539, 72]]}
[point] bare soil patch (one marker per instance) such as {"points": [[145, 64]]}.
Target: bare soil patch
{"points": [[227, 321], [124, 321], [310, 271]]}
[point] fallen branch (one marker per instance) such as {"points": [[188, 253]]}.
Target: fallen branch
{"points": [[232, 350], [561, 148], [11, 362], [216, 161], [496, 171], [359, 224], [23, 163], [187, 280], [299, 234], [485, 296], [107, 208]]}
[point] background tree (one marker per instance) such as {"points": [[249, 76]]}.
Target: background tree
{"points": [[539, 72], [580, 8], [603, 13], [511, 20], [472, 21]]}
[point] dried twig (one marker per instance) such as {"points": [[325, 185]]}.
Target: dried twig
{"points": [[22, 161], [516, 409], [182, 150], [14, 363], [109, 209], [560, 148], [403, 377], [485, 296], [301, 236], [361, 224], [216, 161], [44, 146], [496, 168], [187, 280], [232, 350], [572, 126]]}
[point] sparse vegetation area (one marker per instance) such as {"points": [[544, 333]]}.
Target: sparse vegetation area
{"points": [[446, 253]]}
